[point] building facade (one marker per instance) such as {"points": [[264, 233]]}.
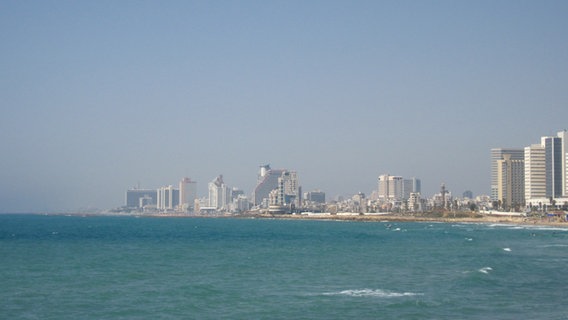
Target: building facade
{"points": [[498, 154], [390, 188], [138, 198], [219, 194], [168, 198], [511, 182], [267, 181], [187, 194], [316, 196]]}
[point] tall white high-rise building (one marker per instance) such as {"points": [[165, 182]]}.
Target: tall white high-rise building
{"points": [[547, 172], [219, 194], [535, 172], [168, 198]]}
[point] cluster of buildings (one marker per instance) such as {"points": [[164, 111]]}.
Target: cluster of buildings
{"points": [[277, 191], [531, 178], [163, 199]]}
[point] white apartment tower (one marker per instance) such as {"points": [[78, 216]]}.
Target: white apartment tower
{"points": [[167, 198], [219, 194], [546, 169], [535, 172]]}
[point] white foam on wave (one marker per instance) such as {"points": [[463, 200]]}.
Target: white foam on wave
{"points": [[553, 245], [526, 227], [485, 270], [372, 293]]}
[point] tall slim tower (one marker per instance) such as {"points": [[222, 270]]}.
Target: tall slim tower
{"points": [[187, 194], [535, 172], [511, 182], [555, 166], [563, 135]]}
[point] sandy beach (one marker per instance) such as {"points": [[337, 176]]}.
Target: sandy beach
{"points": [[445, 218]]}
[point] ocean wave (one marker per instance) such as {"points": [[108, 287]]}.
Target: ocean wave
{"points": [[553, 245], [526, 227], [485, 270], [372, 293]]}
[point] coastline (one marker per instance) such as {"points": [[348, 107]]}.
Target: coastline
{"points": [[484, 219], [426, 217]]}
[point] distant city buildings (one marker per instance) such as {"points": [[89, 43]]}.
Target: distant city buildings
{"points": [[315, 196], [187, 194], [535, 176], [286, 197], [267, 181], [498, 154], [139, 198], [163, 199], [219, 194], [168, 198], [395, 188]]}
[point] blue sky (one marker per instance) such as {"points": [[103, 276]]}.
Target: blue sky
{"points": [[98, 96]]}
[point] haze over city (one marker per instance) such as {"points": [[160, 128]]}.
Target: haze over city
{"points": [[98, 97]]}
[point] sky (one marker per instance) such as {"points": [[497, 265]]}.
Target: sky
{"points": [[100, 96]]}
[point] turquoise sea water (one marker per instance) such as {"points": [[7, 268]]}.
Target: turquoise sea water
{"points": [[60, 267]]}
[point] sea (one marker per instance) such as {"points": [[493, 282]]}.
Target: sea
{"points": [[112, 267]]}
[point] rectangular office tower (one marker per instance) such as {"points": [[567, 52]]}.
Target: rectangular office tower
{"points": [[511, 182], [498, 154], [535, 172], [556, 153], [546, 169]]}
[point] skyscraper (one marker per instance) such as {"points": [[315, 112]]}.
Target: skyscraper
{"points": [[137, 198], [409, 186], [546, 170], [563, 135], [390, 187], [187, 194], [510, 182], [555, 150], [535, 172], [168, 198], [316, 196], [288, 192], [267, 181], [219, 194], [496, 155]]}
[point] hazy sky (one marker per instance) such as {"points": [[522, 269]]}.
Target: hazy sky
{"points": [[98, 96]]}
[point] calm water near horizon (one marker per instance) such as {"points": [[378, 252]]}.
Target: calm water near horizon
{"points": [[71, 267]]}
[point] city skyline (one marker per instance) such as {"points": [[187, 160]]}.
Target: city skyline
{"points": [[102, 96]]}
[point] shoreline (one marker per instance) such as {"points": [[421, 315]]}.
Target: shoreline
{"points": [[493, 219], [446, 218]]}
